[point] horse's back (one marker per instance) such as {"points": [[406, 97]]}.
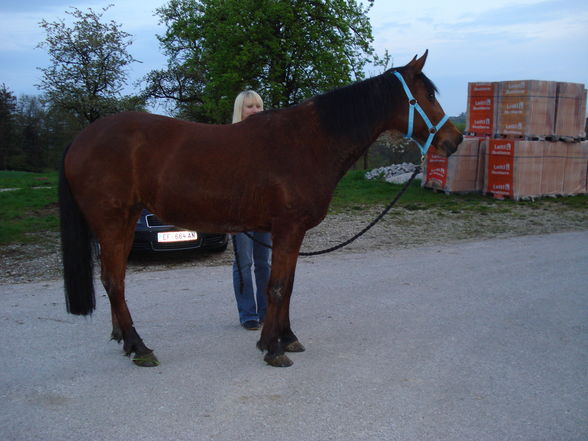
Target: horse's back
{"points": [[164, 164], [127, 131], [130, 142], [219, 172]]}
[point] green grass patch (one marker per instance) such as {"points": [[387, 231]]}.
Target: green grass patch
{"points": [[578, 202], [360, 192], [355, 192], [17, 179], [29, 208]]}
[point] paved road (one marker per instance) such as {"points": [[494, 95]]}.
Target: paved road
{"points": [[474, 341]]}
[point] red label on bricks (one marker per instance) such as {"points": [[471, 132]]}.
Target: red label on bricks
{"points": [[499, 167], [481, 98], [436, 169]]}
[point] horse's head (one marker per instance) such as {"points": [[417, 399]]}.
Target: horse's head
{"points": [[424, 120]]}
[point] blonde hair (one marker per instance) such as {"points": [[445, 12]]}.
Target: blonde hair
{"points": [[240, 100]]}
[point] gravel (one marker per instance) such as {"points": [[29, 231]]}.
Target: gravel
{"points": [[395, 173], [401, 228]]}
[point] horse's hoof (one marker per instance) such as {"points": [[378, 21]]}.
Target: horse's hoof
{"points": [[146, 360], [278, 360], [295, 346]]}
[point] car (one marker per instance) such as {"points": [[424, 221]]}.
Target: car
{"points": [[152, 234]]}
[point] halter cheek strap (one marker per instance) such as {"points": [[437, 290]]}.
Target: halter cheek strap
{"points": [[413, 104]]}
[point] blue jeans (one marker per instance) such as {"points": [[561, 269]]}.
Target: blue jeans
{"points": [[252, 304]]}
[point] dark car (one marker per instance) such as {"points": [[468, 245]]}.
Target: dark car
{"points": [[151, 234]]}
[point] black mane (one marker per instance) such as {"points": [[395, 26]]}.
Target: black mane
{"points": [[431, 88], [350, 112]]}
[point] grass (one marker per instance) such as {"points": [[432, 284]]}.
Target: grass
{"points": [[30, 212], [356, 193]]}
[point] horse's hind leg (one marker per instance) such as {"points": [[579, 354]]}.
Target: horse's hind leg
{"points": [[114, 252], [116, 331]]}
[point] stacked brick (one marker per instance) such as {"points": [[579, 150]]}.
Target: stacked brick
{"points": [[526, 139], [462, 172], [570, 117], [527, 109]]}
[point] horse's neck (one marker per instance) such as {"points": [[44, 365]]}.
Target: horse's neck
{"points": [[347, 154], [353, 118], [344, 153]]}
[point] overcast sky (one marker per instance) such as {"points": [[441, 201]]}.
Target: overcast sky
{"points": [[467, 40]]}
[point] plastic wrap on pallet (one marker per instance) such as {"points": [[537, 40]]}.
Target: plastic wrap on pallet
{"points": [[481, 166], [514, 168], [554, 166], [576, 169], [570, 115], [526, 108]]}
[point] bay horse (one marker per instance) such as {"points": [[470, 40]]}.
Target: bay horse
{"points": [[275, 171]]}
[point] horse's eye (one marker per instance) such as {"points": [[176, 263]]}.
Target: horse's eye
{"points": [[432, 97]]}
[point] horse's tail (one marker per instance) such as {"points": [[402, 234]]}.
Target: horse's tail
{"points": [[76, 247]]}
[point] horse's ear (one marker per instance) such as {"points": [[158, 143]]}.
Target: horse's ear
{"points": [[416, 65]]}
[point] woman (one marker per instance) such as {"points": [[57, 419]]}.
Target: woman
{"points": [[251, 301]]}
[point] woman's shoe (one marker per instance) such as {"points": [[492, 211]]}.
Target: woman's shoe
{"points": [[251, 325]]}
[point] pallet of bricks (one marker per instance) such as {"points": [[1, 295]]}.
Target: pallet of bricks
{"points": [[526, 139]]}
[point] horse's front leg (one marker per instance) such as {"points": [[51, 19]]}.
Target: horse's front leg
{"points": [[289, 341], [277, 336]]}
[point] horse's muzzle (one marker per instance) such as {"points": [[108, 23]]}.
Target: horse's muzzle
{"points": [[449, 146]]}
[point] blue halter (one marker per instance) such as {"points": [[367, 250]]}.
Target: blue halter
{"points": [[412, 104]]}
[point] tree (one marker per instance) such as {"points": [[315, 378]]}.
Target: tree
{"points": [[31, 124], [32, 133], [88, 65], [7, 111], [287, 50]]}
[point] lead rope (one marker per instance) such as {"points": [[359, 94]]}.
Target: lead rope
{"points": [[362, 232]]}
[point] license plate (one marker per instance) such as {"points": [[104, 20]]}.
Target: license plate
{"points": [[177, 236]]}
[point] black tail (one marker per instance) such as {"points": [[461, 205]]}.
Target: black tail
{"points": [[76, 247]]}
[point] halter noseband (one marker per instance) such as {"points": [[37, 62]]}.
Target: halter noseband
{"points": [[412, 104]]}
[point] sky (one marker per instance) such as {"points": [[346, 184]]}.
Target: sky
{"points": [[468, 40]]}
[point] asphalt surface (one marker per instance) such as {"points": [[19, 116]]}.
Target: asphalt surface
{"points": [[471, 341]]}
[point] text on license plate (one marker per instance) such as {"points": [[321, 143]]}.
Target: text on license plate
{"points": [[177, 236]]}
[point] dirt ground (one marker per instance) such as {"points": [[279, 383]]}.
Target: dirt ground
{"points": [[401, 228]]}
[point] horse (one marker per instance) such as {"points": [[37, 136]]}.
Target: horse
{"points": [[275, 171]]}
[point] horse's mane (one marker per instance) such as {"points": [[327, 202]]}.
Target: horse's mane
{"points": [[431, 88], [350, 112]]}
